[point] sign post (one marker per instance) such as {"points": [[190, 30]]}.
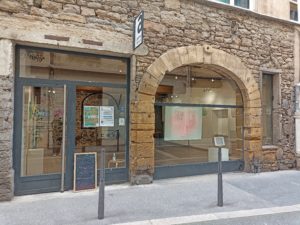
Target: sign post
{"points": [[220, 142], [138, 32], [101, 185]]}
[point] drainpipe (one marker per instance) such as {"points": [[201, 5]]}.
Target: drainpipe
{"points": [[297, 124]]}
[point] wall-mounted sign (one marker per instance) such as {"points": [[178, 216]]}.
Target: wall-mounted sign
{"points": [[107, 116], [138, 34], [91, 116], [85, 171]]}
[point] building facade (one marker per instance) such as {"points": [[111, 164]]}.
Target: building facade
{"points": [[70, 82]]}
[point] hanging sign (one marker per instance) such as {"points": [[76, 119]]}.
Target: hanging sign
{"points": [[138, 34], [91, 116], [107, 116]]}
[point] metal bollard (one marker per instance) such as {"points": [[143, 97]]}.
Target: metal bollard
{"points": [[220, 179], [101, 185]]}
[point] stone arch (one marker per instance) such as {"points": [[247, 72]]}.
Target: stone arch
{"points": [[142, 110]]}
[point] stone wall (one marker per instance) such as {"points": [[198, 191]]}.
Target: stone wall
{"points": [[259, 42], [6, 119]]}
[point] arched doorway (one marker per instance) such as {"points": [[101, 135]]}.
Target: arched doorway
{"points": [[143, 113]]}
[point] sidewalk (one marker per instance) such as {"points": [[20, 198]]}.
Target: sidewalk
{"points": [[180, 200]]}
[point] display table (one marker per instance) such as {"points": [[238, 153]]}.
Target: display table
{"points": [[213, 154]]}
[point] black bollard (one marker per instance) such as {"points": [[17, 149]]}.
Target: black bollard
{"points": [[101, 185], [220, 179]]}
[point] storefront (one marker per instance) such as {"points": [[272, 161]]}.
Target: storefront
{"points": [[83, 96], [204, 69], [192, 105]]}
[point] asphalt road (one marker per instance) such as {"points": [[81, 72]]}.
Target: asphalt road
{"points": [[291, 218]]}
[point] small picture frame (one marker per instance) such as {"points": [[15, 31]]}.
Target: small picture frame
{"points": [[219, 141]]}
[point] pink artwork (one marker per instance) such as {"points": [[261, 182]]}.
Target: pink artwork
{"points": [[183, 123]]}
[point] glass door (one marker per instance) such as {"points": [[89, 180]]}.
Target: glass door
{"points": [[40, 138], [101, 122]]}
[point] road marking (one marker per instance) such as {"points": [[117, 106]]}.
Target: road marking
{"points": [[217, 216]]}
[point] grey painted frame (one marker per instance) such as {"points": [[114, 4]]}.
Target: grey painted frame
{"points": [[51, 182]]}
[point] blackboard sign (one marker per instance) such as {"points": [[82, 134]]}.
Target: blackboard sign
{"points": [[85, 171]]}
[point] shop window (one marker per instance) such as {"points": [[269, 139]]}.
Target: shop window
{"points": [[294, 10], [194, 104], [61, 66]]}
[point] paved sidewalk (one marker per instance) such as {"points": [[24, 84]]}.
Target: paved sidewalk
{"points": [[172, 201]]}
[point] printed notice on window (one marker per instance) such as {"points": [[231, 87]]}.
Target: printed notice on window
{"points": [[91, 116], [106, 116]]}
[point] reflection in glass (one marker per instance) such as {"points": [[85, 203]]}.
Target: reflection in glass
{"points": [[64, 66], [100, 132], [42, 130], [267, 109], [184, 135]]}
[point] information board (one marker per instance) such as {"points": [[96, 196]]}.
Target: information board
{"points": [[85, 171]]}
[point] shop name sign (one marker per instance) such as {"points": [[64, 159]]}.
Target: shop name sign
{"points": [[138, 33]]}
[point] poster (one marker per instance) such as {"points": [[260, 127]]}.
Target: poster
{"points": [[183, 123], [91, 116], [107, 116]]}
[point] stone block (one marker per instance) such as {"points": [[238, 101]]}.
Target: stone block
{"points": [[154, 27], [142, 106], [11, 6], [172, 59], [172, 4], [51, 6], [252, 121], [69, 8], [141, 126], [142, 150], [173, 19], [67, 1], [253, 133], [253, 146], [141, 179], [145, 97], [71, 17], [143, 118], [40, 12], [184, 55], [148, 85], [6, 57], [145, 163], [141, 136], [252, 112], [87, 11], [157, 69], [6, 185]]}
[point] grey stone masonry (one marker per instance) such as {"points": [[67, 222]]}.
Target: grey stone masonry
{"points": [[6, 118]]}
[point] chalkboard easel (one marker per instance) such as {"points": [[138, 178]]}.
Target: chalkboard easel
{"points": [[85, 171]]}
